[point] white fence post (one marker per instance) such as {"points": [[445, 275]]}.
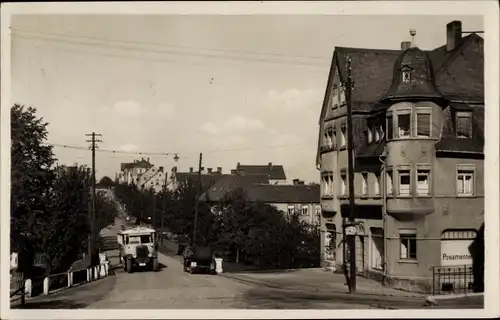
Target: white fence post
{"points": [[89, 275], [218, 265], [46, 285], [28, 287], [95, 273], [69, 279]]}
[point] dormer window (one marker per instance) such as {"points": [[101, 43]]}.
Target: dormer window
{"points": [[406, 74], [463, 124]]}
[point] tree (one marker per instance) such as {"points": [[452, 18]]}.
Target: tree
{"points": [[68, 213], [31, 179], [106, 182]]}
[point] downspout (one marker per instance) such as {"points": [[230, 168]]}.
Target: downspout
{"points": [[384, 213]]}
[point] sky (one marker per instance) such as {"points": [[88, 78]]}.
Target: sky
{"points": [[245, 88]]}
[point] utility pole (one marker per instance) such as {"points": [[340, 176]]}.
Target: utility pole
{"points": [[197, 198], [164, 211], [93, 228], [350, 228]]}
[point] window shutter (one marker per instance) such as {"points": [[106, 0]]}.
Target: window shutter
{"points": [[423, 124]]}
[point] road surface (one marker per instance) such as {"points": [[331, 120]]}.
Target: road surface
{"points": [[172, 288]]}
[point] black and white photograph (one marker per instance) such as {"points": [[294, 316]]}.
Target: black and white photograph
{"points": [[322, 157]]}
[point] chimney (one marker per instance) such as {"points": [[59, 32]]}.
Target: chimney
{"points": [[270, 164], [405, 45], [301, 182], [233, 172], [147, 160], [209, 170], [453, 34], [219, 169], [237, 166], [296, 182], [160, 169], [190, 169]]}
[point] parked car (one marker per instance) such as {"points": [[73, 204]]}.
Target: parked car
{"points": [[198, 259]]}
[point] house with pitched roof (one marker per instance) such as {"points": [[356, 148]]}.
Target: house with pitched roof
{"points": [[207, 177], [143, 174], [297, 197], [418, 130], [274, 173]]}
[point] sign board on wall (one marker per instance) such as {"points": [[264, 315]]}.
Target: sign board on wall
{"points": [[455, 252]]}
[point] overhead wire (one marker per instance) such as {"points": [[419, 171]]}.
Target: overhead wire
{"points": [[107, 40], [159, 153], [167, 52]]}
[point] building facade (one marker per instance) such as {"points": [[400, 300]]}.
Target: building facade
{"points": [[296, 197], [418, 130], [143, 174]]}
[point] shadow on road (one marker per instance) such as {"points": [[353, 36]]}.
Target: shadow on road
{"points": [[52, 304]]}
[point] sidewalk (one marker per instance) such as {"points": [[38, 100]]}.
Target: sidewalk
{"points": [[318, 280]]}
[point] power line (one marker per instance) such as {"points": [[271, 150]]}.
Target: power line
{"points": [[107, 40], [159, 153], [168, 52]]}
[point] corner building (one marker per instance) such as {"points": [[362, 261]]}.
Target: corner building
{"points": [[418, 124]]}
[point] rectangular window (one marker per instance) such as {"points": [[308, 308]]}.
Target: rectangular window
{"points": [[465, 182], [324, 186], [389, 183], [291, 210], [404, 125], [423, 182], [334, 139], [408, 242], [404, 182], [389, 127], [464, 124], [342, 96], [343, 137], [376, 185], [364, 184], [423, 124], [330, 185], [305, 210], [318, 210], [378, 130], [335, 97], [343, 185]]}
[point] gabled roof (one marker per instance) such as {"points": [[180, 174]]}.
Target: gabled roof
{"points": [[258, 191], [230, 183], [273, 172], [372, 71], [207, 180]]}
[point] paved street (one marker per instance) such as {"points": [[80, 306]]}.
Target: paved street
{"points": [[172, 288]]}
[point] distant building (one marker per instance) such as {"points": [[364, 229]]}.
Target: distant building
{"points": [[208, 177], [143, 174], [418, 129], [287, 198], [274, 173]]}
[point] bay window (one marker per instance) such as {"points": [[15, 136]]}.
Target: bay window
{"points": [[404, 125], [389, 127], [423, 182], [404, 182], [423, 124]]}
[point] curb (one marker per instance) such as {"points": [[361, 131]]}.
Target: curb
{"points": [[433, 299]]}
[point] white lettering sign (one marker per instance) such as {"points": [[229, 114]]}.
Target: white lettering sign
{"points": [[455, 252]]}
